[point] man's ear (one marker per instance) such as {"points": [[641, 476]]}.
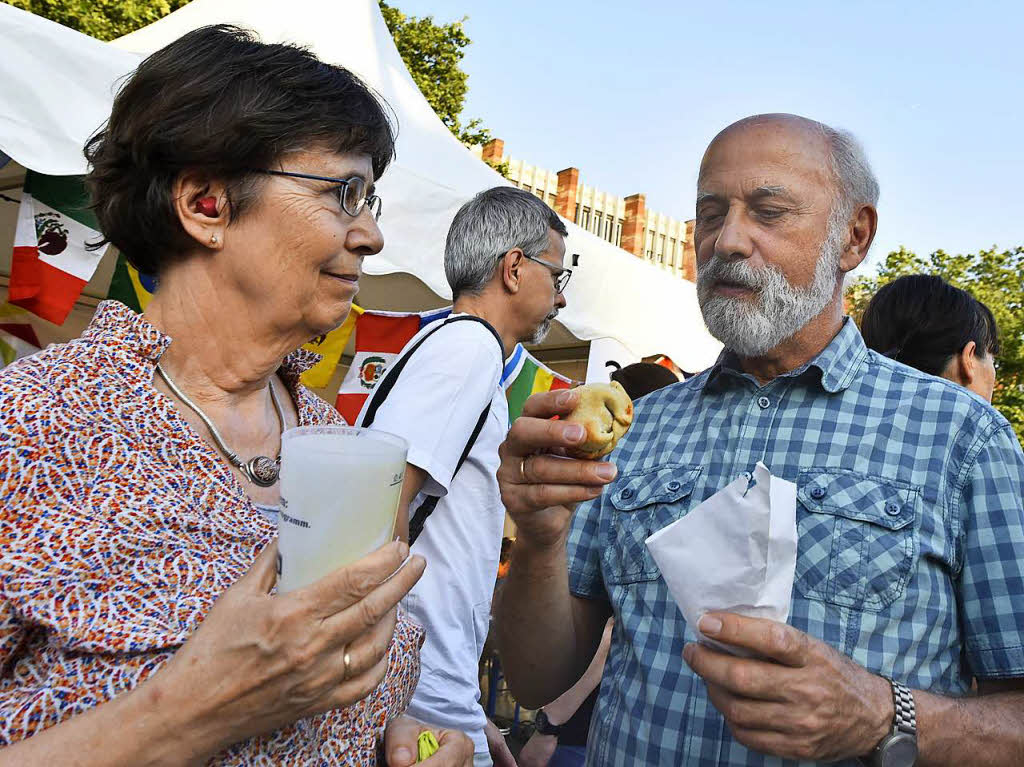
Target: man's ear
{"points": [[512, 266], [862, 233], [203, 208]]}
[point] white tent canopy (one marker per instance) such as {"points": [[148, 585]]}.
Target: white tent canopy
{"points": [[56, 89]]}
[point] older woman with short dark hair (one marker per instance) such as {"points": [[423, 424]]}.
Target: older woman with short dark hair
{"points": [[137, 619]]}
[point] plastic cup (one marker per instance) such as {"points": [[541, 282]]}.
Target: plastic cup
{"points": [[340, 487]]}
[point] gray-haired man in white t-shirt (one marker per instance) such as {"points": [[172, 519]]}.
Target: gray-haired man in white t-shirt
{"points": [[503, 260]]}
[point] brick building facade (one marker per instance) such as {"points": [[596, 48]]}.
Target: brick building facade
{"points": [[623, 221]]}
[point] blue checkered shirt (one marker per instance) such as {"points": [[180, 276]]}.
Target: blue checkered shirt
{"points": [[910, 524]]}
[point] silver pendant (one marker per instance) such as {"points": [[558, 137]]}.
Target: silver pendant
{"points": [[262, 471]]}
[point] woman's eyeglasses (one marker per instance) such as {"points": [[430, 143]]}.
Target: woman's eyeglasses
{"points": [[351, 191]]}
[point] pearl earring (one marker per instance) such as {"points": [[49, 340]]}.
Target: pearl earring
{"points": [[213, 239]]}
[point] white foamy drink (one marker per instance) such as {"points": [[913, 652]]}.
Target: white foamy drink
{"points": [[339, 495]]}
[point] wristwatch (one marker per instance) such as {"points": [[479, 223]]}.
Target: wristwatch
{"points": [[898, 748], [543, 724]]}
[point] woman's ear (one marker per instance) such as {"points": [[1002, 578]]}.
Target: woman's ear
{"points": [[203, 208], [965, 364]]}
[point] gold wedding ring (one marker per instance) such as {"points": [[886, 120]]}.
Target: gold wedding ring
{"points": [[347, 660], [522, 469]]}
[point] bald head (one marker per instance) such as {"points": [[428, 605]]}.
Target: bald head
{"points": [[836, 152], [775, 124], [785, 207]]}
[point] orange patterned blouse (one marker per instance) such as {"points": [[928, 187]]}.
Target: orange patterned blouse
{"points": [[119, 527]]}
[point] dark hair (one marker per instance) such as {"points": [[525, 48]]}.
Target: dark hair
{"points": [[219, 100], [642, 378], [923, 321]]}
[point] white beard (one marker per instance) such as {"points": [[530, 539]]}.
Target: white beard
{"points": [[542, 330], [779, 311]]}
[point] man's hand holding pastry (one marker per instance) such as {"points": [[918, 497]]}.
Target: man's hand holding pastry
{"points": [[539, 484]]}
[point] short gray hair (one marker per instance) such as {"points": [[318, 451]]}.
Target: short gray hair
{"points": [[490, 225], [856, 184]]}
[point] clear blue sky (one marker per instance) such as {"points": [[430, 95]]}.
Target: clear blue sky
{"points": [[631, 93]]}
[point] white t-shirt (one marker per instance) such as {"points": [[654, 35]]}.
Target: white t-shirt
{"points": [[434, 406]]}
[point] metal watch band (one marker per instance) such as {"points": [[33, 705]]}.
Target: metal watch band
{"points": [[906, 713]]}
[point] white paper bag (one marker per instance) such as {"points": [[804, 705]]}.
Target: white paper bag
{"points": [[735, 552]]}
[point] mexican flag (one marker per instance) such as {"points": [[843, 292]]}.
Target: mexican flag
{"points": [[380, 336], [524, 375], [51, 263]]}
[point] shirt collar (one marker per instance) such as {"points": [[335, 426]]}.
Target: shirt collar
{"points": [[134, 332], [838, 363]]}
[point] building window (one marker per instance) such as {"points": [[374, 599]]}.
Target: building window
{"points": [[618, 235], [527, 187], [585, 219], [551, 199]]}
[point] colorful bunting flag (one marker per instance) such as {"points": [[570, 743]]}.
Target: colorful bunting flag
{"points": [[525, 375], [131, 287], [17, 336], [380, 336], [51, 263], [330, 347]]}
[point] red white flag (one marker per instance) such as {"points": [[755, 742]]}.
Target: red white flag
{"points": [[51, 263], [380, 336]]}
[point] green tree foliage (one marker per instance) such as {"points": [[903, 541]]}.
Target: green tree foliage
{"points": [[102, 19], [996, 279], [432, 53]]}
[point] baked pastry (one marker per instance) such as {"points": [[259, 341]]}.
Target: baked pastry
{"points": [[605, 412]]}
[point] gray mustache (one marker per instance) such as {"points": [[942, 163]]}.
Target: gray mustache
{"points": [[738, 272]]}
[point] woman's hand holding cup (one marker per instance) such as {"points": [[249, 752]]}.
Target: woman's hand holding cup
{"points": [[261, 661]]}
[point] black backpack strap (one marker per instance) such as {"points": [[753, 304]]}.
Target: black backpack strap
{"points": [[430, 503], [380, 393], [383, 389]]}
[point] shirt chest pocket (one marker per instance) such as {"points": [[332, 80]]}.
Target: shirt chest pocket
{"points": [[642, 503], [856, 538]]}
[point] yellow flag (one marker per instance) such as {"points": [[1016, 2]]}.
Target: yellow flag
{"points": [[330, 347]]}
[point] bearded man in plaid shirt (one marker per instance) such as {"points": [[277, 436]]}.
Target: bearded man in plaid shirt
{"points": [[909, 582]]}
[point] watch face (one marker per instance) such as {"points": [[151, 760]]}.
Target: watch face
{"points": [[544, 727], [899, 751]]}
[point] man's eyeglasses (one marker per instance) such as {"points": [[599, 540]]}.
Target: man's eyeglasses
{"points": [[559, 275], [351, 191]]}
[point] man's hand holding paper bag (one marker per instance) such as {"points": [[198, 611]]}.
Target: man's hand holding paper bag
{"points": [[735, 551], [729, 564]]}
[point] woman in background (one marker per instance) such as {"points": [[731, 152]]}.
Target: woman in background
{"points": [[923, 321]]}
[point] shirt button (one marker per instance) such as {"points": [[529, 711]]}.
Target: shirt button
{"points": [[674, 485], [763, 402], [626, 494], [892, 508], [817, 493]]}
